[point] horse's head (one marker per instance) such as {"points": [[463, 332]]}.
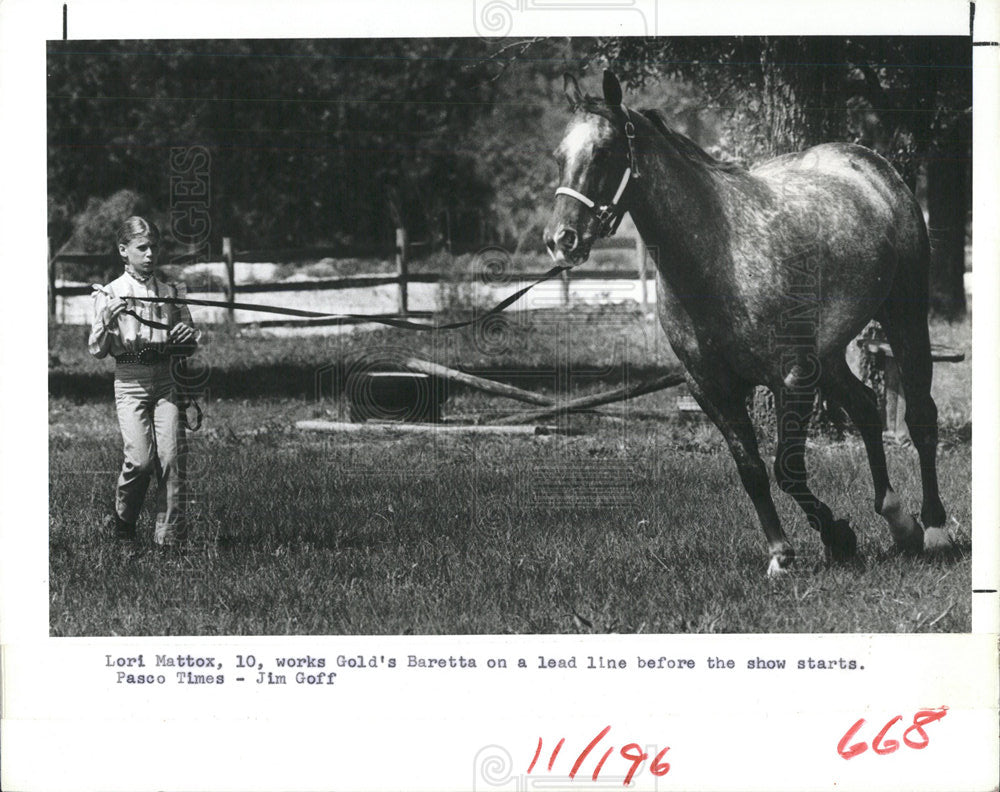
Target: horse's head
{"points": [[596, 164]]}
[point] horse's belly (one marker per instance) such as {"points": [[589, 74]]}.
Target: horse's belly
{"points": [[764, 339]]}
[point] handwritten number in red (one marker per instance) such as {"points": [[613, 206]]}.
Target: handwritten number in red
{"points": [[882, 746], [586, 751], [889, 745], [555, 753], [632, 753], [538, 751], [858, 748], [920, 720], [600, 764], [659, 767]]}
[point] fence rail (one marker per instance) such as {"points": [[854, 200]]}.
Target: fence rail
{"points": [[402, 277]]}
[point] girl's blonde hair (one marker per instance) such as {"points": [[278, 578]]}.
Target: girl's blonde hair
{"points": [[133, 227]]}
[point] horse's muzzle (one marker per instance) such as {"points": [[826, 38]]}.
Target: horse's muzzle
{"points": [[564, 245]]}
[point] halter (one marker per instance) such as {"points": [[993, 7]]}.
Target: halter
{"points": [[609, 216]]}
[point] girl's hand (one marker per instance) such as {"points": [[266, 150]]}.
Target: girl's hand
{"points": [[113, 310], [181, 333]]}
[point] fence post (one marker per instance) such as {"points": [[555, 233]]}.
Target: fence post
{"points": [[640, 260], [402, 269], [230, 286], [52, 283], [564, 277]]}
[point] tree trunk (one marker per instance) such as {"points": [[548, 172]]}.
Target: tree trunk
{"points": [[799, 95], [947, 206]]}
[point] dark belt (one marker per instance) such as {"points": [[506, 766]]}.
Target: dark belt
{"points": [[148, 357], [154, 355]]}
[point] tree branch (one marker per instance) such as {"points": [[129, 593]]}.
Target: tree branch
{"points": [[877, 95], [505, 62]]}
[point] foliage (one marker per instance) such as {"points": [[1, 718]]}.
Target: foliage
{"points": [[95, 226], [306, 137], [60, 224], [782, 94]]}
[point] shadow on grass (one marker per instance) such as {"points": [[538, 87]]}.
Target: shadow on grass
{"points": [[298, 380]]}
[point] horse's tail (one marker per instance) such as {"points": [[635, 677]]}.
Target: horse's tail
{"points": [[903, 315], [904, 318]]}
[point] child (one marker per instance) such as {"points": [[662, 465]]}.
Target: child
{"points": [[150, 414]]}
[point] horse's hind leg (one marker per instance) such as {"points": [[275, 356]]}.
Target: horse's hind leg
{"points": [[793, 409], [726, 406], [861, 404], [904, 318]]}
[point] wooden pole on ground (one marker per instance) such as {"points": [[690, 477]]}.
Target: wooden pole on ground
{"points": [[402, 266], [394, 427], [230, 286], [587, 402], [489, 386]]}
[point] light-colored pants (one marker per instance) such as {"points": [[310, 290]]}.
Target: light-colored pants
{"points": [[155, 442]]}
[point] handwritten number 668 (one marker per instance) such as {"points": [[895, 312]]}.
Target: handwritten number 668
{"points": [[881, 745]]}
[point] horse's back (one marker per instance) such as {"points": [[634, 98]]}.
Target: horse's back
{"points": [[839, 168], [851, 197]]}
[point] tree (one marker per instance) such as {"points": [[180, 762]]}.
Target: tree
{"points": [[305, 136]]}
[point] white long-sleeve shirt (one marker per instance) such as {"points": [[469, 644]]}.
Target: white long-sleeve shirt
{"points": [[126, 333]]}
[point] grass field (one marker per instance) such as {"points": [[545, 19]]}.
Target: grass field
{"points": [[637, 524]]}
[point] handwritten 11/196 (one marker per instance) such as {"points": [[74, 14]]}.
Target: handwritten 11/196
{"points": [[632, 752]]}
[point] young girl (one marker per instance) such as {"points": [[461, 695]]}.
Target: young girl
{"points": [[150, 414]]}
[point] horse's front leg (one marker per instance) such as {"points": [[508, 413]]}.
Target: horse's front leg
{"points": [[725, 404]]}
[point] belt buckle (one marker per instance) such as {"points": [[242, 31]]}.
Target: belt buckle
{"points": [[149, 356]]}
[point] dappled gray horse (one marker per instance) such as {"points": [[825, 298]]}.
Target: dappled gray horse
{"points": [[763, 278]]}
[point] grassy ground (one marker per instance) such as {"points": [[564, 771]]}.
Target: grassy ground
{"points": [[596, 341], [636, 525]]}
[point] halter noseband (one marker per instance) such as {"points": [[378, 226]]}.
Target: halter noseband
{"points": [[609, 216]]}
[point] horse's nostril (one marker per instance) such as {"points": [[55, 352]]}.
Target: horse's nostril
{"points": [[550, 243], [566, 239]]}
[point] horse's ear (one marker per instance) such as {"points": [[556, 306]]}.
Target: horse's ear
{"points": [[572, 90], [612, 89]]}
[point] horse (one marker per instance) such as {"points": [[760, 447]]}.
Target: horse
{"points": [[763, 278]]}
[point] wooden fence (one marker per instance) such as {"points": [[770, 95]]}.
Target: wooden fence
{"points": [[402, 277]]}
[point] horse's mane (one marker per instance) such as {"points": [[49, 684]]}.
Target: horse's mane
{"points": [[682, 144], [687, 147]]}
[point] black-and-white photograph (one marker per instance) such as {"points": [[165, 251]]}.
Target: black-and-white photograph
{"points": [[505, 336], [499, 395]]}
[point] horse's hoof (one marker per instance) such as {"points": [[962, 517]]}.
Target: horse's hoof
{"points": [[906, 531], [775, 569], [839, 541], [908, 535], [937, 540], [780, 564]]}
